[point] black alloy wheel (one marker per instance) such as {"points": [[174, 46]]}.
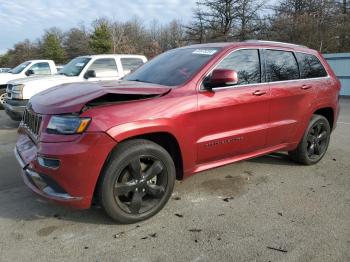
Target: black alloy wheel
{"points": [[317, 140], [141, 185], [137, 181], [314, 143]]}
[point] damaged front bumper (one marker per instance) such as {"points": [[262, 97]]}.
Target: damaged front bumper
{"points": [[64, 172], [41, 185]]}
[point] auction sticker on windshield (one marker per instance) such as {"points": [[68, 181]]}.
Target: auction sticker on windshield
{"points": [[204, 51]]}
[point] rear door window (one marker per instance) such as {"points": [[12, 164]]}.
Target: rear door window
{"points": [[310, 66], [281, 65], [246, 63]]}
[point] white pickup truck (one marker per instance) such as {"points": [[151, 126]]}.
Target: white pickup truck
{"points": [[83, 68], [27, 68]]}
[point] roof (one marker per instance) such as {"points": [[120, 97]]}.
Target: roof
{"points": [[113, 55], [251, 43], [40, 60]]}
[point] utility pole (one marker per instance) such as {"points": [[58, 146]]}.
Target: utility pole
{"points": [[344, 7]]}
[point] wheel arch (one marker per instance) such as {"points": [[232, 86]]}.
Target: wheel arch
{"points": [[169, 142], [328, 113], [165, 139]]}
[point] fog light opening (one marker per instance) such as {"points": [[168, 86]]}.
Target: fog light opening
{"points": [[48, 162]]}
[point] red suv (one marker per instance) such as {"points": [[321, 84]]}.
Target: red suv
{"points": [[124, 143]]}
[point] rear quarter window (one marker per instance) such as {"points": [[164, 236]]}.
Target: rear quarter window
{"points": [[281, 65], [310, 66]]}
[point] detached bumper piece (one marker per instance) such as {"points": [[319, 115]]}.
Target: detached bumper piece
{"points": [[43, 185], [47, 186]]}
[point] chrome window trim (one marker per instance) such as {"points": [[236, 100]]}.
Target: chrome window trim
{"points": [[212, 69], [321, 62], [261, 83]]}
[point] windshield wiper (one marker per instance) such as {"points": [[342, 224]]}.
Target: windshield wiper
{"points": [[140, 81]]}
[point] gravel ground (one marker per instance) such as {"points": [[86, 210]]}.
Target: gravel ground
{"points": [[265, 209]]}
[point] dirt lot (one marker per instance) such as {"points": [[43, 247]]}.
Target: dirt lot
{"points": [[265, 209]]}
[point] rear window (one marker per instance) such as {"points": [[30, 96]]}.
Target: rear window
{"points": [[281, 65], [310, 66]]}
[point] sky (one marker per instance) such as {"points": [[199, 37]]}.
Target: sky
{"points": [[27, 19]]}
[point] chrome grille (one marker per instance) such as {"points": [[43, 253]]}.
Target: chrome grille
{"points": [[8, 90], [31, 121], [9, 87]]}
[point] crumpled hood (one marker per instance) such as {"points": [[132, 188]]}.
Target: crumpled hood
{"points": [[71, 98]]}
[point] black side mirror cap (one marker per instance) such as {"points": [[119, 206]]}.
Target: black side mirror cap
{"points": [[30, 72], [90, 73]]}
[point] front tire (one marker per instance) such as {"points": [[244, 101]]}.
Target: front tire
{"points": [[2, 98], [314, 143], [137, 181]]}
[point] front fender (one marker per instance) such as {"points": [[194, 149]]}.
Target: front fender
{"points": [[132, 129], [145, 127]]}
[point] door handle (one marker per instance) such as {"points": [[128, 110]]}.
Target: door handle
{"points": [[259, 93], [305, 87]]}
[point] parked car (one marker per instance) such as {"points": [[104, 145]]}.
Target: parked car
{"points": [[28, 68], [123, 143], [83, 68], [4, 69]]}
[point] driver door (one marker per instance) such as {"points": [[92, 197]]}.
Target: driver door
{"points": [[233, 120]]}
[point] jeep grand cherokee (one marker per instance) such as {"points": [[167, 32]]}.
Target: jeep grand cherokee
{"points": [[124, 143]]}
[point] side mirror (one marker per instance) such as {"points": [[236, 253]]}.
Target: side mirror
{"points": [[221, 77], [89, 74], [30, 72]]}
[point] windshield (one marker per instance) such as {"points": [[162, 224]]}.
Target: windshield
{"points": [[75, 66], [174, 67], [18, 69]]}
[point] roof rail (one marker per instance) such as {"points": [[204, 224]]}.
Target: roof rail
{"points": [[273, 42]]}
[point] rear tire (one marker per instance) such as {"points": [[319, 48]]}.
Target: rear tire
{"points": [[314, 143], [137, 181]]}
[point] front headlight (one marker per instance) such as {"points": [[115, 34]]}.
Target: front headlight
{"points": [[17, 91], [67, 125]]}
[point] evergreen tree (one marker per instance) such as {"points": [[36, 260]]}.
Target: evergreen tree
{"points": [[52, 49], [101, 39]]}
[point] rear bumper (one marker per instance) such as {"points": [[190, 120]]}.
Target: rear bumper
{"points": [[80, 163], [15, 108]]}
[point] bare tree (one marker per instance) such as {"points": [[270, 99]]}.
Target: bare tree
{"points": [[225, 20], [196, 31], [248, 18]]}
